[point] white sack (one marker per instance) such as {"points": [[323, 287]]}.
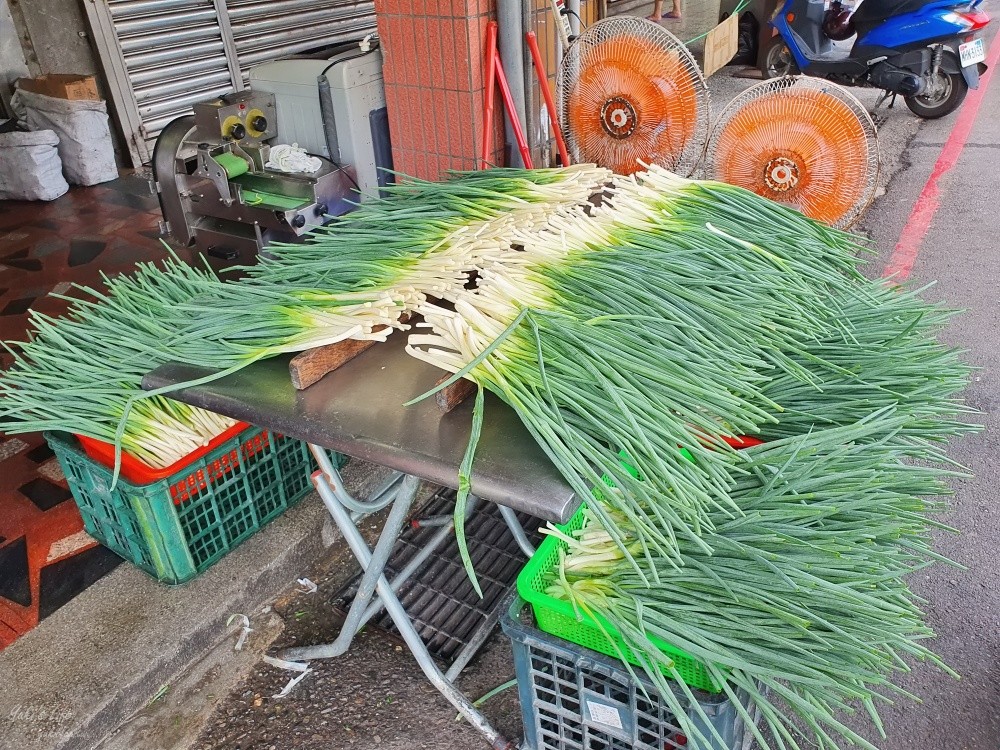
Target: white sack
{"points": [[88, 154], [30, 168]]}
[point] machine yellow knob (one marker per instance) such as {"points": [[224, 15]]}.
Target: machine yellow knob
{"points": [[233, 127], [256, 123]]}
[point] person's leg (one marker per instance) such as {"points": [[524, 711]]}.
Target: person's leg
{"points": [[675, 12], [657, 10]]}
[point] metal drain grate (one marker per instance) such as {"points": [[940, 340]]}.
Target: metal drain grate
{"points": [[439, 598]]}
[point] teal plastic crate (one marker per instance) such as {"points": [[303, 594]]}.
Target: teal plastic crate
{"points": [[178, 527]]}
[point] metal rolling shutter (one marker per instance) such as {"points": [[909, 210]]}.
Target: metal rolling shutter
{"points": [[270, 29], [161, 56]]}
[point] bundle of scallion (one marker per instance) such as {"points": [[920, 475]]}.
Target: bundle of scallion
{"points": [[79, 372], [354, 277], [803, 602], [350, 280], [651, 323], [886, 354], [879, 347]]}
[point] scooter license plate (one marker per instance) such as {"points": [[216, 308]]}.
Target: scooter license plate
{"points": [[972, 52]]}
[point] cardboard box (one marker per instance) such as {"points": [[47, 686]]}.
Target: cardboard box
{"points": [[62, 86], [721, 44]]}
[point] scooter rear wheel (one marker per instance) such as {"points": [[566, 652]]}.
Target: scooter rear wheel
{"points": [[944, 94], [776, 59]]}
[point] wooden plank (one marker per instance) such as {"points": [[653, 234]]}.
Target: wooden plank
{"points": [[311, 365], [451, 396]]}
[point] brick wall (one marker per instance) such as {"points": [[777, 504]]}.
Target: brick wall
{"points": [[434, 83]]}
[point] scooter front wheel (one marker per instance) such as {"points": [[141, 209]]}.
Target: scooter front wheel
{"points": [[776, 59], [945, 92]]}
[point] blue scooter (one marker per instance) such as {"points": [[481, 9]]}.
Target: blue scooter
{"points": [[927, 51]]}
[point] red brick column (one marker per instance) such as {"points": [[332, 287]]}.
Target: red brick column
{"points": [[433, 54]]}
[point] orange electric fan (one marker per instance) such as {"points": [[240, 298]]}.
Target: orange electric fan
{"points": [[800, 141], [630, 91]]}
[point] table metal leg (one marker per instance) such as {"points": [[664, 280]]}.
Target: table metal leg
{"points": [[379, 499], [374, 563], [418, 559], [374, 566], [510, 517]]}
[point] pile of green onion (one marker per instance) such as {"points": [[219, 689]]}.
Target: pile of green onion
{"points": [[802, 605], [352, 279], [642, 327], [356, 276], [77, 373], [675, 313], [633, 323]]}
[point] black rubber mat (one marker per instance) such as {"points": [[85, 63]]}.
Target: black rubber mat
{"points": [[439, 598]]}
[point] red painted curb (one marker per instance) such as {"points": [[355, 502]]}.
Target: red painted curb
{"points": [[904, 255]]}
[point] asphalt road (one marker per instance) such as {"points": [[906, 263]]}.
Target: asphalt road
{"points": [[959, 257], [959, 254]]}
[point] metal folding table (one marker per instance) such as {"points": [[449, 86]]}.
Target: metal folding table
{"points": [[358, 410]]}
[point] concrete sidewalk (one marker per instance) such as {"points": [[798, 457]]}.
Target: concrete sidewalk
{"points": [[93, 663]]}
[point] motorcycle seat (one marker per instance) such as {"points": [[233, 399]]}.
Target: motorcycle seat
{"points": [[873, 12]]}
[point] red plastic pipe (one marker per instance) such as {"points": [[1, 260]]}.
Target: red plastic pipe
{"points": [[515, 124], [491, 61], [543, 84]]}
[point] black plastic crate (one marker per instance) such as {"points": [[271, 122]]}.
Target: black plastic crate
{"points": [[573, 698]]}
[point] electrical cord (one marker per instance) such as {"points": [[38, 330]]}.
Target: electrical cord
{"points": [[742, 4], [339, 166], [373, 45]]}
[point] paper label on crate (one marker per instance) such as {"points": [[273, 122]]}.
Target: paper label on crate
{"points": [[607, 715]]}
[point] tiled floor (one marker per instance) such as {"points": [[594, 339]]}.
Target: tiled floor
{"points": [[45, 556]]}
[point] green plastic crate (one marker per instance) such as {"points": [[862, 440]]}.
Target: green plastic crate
{"points": [[558, 617], [177, 527]]}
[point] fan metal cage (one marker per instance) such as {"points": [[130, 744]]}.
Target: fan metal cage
{"points": [[800, 141], [630, 91]]}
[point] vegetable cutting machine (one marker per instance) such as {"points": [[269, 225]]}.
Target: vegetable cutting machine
{"points": [[216, 188]]}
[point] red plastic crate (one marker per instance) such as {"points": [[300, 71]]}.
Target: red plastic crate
{"points": [[138, 472]]}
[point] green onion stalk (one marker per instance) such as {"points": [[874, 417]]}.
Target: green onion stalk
{"points": [[802, 612], [79, 372]]}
